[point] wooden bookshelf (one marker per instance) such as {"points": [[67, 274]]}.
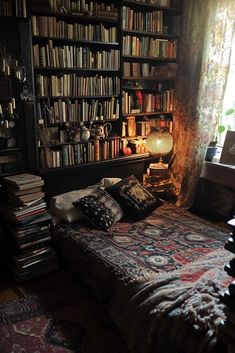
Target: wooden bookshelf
{"points": [[97, 30]]}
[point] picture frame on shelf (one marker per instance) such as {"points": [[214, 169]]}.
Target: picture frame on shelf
{"points": [[228, 151]]}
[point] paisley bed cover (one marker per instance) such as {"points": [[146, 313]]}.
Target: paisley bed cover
{"points": [[161, 277]]}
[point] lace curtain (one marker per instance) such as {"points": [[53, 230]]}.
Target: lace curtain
{"points": [[203, 60]]}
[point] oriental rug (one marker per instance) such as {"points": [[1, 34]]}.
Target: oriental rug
{"points": [[63, 320]]}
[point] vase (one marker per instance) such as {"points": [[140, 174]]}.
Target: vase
{"points": [[210, 153]]}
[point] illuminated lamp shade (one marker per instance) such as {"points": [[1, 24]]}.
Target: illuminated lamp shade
{"points": [[159, 143]]}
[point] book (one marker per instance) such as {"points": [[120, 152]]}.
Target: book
{"points": [[27, 197], [21, 179], [27, 259], [32, 190], [27, 186]]}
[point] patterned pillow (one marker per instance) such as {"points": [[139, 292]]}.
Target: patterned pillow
{"points": [[136, 201], [100, 209]]}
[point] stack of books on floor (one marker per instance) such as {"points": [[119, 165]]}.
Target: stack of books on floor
{"points": [[27, 226]]}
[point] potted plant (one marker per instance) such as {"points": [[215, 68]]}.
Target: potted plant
{"points": [[213, 145]]}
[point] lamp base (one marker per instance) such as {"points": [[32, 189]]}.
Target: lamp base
{"points": [[159, 165]]}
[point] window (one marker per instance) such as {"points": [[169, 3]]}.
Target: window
{"points": [[229, 98]]}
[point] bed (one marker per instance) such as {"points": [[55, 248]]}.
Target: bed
{"points": [[160, 277]]}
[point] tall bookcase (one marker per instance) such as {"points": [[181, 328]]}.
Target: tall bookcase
{"points": [[104, 74]]}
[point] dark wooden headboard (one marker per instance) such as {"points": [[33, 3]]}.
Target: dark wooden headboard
{"points": [[67, 179]]}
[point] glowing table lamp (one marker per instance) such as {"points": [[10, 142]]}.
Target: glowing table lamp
{"points": [[159, 144]]}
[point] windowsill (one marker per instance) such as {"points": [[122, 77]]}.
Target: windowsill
{"points": [[219, 173]]}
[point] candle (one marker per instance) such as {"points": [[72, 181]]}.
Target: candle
{"points": [[0, 109], [6, 124], [13, 103], [8, 70], [10, 108]]}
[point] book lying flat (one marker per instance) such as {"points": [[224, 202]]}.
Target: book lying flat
{"points": [[24, 232], [27, 197], [17, 192], [28, 259], [21, 179], [14, 187], [27, 209]]}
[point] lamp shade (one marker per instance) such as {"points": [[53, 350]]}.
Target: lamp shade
{"points": [[159, 143]]}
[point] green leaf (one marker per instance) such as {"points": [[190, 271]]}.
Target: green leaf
{"points": [[221, 129], [229, 111]]}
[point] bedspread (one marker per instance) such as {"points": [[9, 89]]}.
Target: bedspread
{"points": [[154, 274]]}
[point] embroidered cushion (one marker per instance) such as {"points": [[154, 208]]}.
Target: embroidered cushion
{"points": [[61, 206], [136, 201], [100, 209]]}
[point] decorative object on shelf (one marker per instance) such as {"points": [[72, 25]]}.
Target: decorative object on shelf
{"points": [[100, 131], [210, 153], [126, 150], [85, 133]]}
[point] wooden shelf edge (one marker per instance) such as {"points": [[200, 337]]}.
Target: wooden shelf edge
{"points": [[119, 160]]}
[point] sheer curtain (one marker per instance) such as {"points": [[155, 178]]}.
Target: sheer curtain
{"points": [[203, 61]]}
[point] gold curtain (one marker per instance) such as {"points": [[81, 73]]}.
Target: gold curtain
{"points": [[204, 48]]}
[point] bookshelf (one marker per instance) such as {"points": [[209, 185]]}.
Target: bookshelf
{"points": [[99, 62], [149, 47]]}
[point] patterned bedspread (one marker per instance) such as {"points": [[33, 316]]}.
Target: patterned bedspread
{"points": [[170, 252]]}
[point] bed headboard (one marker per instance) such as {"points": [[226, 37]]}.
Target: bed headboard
{"points": [[72, 178]]}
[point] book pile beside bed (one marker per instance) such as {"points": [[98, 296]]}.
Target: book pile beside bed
{"points": [[27, 227]]}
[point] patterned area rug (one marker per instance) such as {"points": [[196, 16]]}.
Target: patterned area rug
{"points": [[63, 320]]}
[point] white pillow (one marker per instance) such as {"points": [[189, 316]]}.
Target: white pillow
{"points": [[61, 206]]}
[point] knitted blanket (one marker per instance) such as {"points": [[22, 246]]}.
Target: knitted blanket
{"points": [[171, 313]]}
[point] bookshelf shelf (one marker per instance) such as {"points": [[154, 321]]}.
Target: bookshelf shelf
{"points": [[56, 40], [80, 18], [146, 78], [138, 4], [147, 58], [10, 150], [121, 159], [71, 69], [76, 97], [149, 34], [148, 113]]}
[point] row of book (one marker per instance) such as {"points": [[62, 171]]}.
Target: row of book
{"points": [[138, 128], [78, 7], [69, 56], [73, 85], [142, 128], [142, 21], [148, 70], [48, 26], [72, 154], [63, 111], [16, 8], [148, 103], [28, 227], [149, 47]]}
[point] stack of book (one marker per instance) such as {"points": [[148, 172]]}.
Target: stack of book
{"points": [[158, 177], [27, 226]]}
